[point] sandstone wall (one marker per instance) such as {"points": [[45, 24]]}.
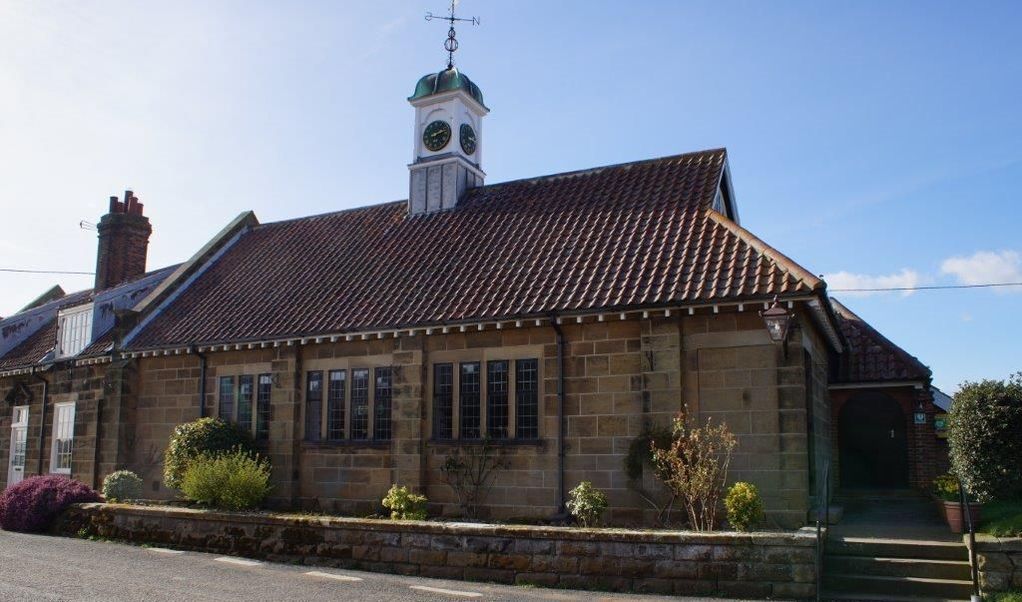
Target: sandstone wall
{"points": [[1000, 563], [757, 565]]}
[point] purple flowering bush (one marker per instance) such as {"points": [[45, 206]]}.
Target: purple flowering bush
{"points": [[33, 504]]}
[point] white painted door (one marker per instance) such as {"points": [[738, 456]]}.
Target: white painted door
{"points": [[19, 441]]}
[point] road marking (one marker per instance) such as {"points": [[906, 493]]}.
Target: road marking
{"points": [[166, 551], [238, 561], [333, 576], [449, 592]]}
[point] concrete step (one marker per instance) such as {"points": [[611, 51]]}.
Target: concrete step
{"points": [[871, 585], [896, 548], [883, 598], [884, 495], [897, 567]]}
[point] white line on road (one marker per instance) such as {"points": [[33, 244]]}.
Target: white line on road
{"points": [[449, 592], [333, 576], [165, 551], [238, 561]]}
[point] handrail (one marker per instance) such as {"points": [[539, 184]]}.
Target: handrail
{"points": [[822, 518], [966, 517]]}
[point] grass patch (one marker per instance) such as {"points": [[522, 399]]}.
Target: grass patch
{"points": [[1003, 519], [1015, 596]]}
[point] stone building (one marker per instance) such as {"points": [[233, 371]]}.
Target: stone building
{"points": [[557, 318]]}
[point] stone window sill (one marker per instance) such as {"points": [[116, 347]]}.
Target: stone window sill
{"points": [[492, 442], [346, 444]]}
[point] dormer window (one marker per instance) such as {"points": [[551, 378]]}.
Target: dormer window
{"points": [[74, 330]]}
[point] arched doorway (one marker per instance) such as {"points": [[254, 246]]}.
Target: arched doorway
{"points": [[873, 443]]}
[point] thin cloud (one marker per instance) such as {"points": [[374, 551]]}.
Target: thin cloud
{"points": [[850, 284], [986, 267]]}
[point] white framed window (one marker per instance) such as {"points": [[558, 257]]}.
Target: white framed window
{"points": [[74, 330], [63, 438]]}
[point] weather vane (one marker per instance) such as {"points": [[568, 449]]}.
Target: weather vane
{"points": [[451, 43]]}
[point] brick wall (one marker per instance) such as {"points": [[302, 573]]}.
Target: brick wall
{"points": [[921, 439], [123, 243]]}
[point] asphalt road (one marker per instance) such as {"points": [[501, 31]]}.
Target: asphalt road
{"points": [[40, 567]]}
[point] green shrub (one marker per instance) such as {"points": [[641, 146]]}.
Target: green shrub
{"points": [[744, 506], [205, 436], [405, 505], [1012, 596], [122, 485], [234, 480], [985, 437], [586, 503], [945, 487]]}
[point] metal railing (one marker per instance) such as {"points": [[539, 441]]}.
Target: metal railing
{"points": [[966, 518], [822, 518]]}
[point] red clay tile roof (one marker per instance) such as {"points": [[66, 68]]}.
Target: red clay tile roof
{"points": [[33, 349], [871, 357], [619, 237]]}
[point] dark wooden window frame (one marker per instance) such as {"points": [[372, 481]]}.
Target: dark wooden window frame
{"points": [[462, 432]]}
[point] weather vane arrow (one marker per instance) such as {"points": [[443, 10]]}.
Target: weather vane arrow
{"points": [[451, 43]]}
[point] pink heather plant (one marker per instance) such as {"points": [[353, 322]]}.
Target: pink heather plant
{"points": [[33, 504]]}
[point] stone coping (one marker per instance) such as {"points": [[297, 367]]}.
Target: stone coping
{"points": [[989, 543], [805, 537]]}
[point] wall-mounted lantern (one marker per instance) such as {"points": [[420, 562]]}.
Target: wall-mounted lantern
{"points": [[920, 413], [778, 321]]}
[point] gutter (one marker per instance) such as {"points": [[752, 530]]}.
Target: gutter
{"points": [[561, 511], [42, 419]]}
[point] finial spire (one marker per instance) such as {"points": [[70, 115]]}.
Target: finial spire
{"points": [[451, 43]]}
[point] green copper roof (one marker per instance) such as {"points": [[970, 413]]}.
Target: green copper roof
{"points": [[445, 81]]}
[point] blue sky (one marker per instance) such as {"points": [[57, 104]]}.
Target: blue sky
{"points": [[873, 142]]}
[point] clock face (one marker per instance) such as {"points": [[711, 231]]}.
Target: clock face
{"points": [[468, 139], [436, 135]]}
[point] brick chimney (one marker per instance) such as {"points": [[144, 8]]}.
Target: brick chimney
{"points": [[123, 242]]}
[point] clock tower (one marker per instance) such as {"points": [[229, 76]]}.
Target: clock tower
{"points": [[447, 161], [449, 113]]}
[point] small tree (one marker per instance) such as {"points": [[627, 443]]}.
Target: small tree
{"points": [[470, 473], [122, 485], [405, 505], [586, 503], [694, 467], [985, 437], [744, 506], [639, 458]]}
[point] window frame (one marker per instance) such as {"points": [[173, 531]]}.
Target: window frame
{"points": [[511, 355], [261, 375], [350, 365], [79, 318], [55, 430]]}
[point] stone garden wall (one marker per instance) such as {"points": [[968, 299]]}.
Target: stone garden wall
{"points": [[1000, 563], [756, 565]]}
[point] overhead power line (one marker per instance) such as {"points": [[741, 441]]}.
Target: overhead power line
{"points": [[936, 287], [879, 289], [17, 271]]}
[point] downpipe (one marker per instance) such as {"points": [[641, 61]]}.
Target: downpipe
{"points": [[561, 509], [42, 420], [202, 380]]}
